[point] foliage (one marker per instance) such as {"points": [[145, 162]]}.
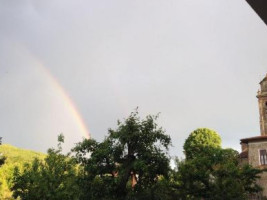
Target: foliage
{"points": [[200, 139], [16, 155], [210, 172], [55, 178], [137, 149], [161, 190], [13, 157], [131, 163]]}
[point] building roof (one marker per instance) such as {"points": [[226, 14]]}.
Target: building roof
{"points": [[264, 79], [254, 139], [260, 7]]}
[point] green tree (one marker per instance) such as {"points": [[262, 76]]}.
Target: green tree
{"points": [[55, 178], [128, 162], [210, 172], [200, 139], [14, 157]]}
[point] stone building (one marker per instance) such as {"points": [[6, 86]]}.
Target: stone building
{"points": [[254, 149]]}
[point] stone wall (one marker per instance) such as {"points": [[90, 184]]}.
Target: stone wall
{"points": [[263, 113], [254, 160]]}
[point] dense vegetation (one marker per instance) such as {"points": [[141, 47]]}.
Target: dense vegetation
{"points": [[55, 177], [132, 162], [127, 163], [12, 157], [211, 172]]}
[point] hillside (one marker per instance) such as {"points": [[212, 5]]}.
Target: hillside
{"points": [[14, 157]]}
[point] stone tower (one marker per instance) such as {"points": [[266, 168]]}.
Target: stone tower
{"points": [[262, 97]]}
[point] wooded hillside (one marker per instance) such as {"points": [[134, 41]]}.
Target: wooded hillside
{"points": [[14, 157]]}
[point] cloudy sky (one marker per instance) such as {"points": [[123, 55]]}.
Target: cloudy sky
{"points": [[73, 66]]}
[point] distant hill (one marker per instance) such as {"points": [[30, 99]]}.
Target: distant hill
{"points": [[17, 155], [14, 157]]}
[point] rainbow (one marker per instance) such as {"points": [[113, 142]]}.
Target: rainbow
{"points": [[69, 104]]}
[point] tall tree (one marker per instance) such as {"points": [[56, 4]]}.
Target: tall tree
{"points": [[210, 172], [130, 159]]}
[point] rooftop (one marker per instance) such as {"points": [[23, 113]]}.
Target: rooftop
{"points": [[264, 79], [260, 7], [254, 139]]}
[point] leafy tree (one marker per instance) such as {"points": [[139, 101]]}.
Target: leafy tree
{"points": [[200, 139], [55, 178], [14, 157], [127, 163], [210, 172]]}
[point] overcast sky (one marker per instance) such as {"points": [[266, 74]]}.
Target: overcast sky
{"points": [[197, 62]]}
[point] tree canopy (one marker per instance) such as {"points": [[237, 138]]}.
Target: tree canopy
{"points": [[200, 139], [211, 172], [55, 178], [131, 158], [132, 162]]}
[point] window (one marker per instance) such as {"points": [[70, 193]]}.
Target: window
{"points": [[263, 157]]}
